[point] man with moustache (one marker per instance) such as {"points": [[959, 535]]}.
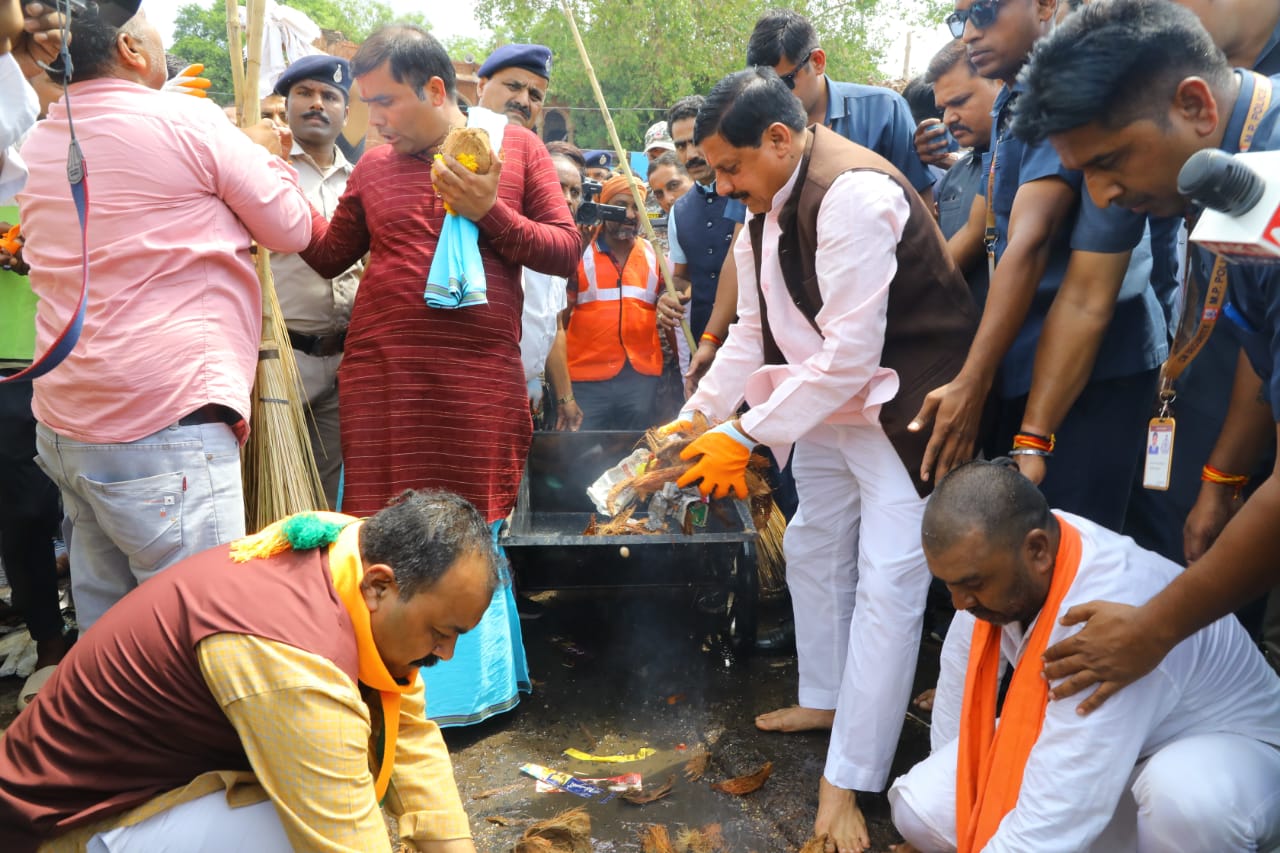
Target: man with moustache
{"points": [[435, 397], [1184, 760], [965, 98], [848, 310], [615, 357], [513, 80], [262, 697], [317, 310]]}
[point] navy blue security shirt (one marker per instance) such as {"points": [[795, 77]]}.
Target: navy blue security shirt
{"points": [[700, 233], [879, 119], [954, 195], [1136, 340], [1253, 291]]}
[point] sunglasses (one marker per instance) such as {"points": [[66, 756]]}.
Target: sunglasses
{"points": [[789, 79], [981, 14]]}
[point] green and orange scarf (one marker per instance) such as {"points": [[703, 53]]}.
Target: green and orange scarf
{"points": [[341, 533]]}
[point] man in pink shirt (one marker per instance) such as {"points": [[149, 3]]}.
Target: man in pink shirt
{"points": [[140, 427], [848, 304]]}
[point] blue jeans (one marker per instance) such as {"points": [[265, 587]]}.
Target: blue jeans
{"points": [[140, 507]]}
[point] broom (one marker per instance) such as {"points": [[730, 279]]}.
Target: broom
{"points": [[277, 465], [771, 563]]}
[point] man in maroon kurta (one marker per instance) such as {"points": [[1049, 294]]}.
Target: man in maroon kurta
{"points": [[429, 396]]}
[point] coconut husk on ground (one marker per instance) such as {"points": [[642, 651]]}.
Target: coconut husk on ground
{"points": [[567, 832], [816, 844], [649, 795], [742, 785], [469, 143], [696, 766], [709, 839], [654, 838]]}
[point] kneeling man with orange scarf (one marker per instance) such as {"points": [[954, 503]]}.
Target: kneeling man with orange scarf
{"points": [[1183, 760], [262, 696]]}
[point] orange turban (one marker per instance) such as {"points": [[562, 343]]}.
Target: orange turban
{"points": [[616, 186]]}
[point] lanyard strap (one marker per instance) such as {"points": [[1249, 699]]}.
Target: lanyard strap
{"points": [[1186, 351], [989, 235], [78, 175]]}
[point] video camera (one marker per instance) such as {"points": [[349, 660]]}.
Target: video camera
{"points": [[592, 213]]}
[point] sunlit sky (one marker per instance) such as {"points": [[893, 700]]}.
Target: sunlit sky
{"points": [[460, 20]]}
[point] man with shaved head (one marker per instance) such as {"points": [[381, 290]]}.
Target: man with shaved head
{"points": [[1184, 759]]}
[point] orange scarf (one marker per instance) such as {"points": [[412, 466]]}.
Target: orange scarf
{"points": [[309, 530], [991, 760]]}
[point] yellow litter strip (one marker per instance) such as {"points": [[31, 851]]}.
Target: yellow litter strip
{"points": [[638, 755]]}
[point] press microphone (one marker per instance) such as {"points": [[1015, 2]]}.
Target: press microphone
{"points": [[1241, 219]]}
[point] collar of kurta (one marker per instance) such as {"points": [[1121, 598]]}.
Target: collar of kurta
{"points": [[992, 759], [341, 533]]}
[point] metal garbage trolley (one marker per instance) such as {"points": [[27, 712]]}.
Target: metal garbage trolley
{"points": [[548, 550]]}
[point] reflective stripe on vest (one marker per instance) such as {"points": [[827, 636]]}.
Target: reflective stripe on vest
{"points": [[612, 293]]}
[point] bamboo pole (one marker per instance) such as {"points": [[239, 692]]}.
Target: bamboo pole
{"points": [[626, 169], [235, 47], [278, 466]]}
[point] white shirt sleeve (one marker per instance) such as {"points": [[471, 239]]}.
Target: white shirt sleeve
{"points": [[673, 240], [860, 224], [721, 391], [19, 106]]}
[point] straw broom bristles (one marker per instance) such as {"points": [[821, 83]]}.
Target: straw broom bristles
{"points": [[277, 465]]}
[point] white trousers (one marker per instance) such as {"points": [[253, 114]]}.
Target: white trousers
{"points": [[1211, 793], [858, 580], [203, 825]]}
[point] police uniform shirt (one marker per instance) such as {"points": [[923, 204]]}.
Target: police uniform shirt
{"points": [[955, 194], [1136, 339], [879, 119]]}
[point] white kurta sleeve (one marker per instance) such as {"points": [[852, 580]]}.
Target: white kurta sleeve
{"points": [[861, 221]]}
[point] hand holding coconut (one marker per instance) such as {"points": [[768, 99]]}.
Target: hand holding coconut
{"points": [[466, 172]]}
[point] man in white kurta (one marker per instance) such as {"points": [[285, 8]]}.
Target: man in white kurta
{"points": [[1185, 759], [859, 510]]}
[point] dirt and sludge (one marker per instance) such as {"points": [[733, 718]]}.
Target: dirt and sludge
{"points": [[641, 676]]}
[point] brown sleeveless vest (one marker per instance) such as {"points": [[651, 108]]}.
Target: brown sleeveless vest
{"points": [[128, 716], [931, 315]]}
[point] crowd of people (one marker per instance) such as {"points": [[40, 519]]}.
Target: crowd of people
{"points": [[968, 324]]}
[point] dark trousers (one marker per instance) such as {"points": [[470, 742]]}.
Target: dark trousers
{"points": [[625, 402], [1099, 446], [30, 518]]}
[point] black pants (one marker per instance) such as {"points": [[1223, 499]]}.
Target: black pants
{"points": [[30, 516], [1100, 445]]}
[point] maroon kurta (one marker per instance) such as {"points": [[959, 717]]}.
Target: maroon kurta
{"points": [[432, 397]]}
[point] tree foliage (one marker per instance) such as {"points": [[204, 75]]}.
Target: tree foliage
{"points": [[200, 32], [649, 53]]}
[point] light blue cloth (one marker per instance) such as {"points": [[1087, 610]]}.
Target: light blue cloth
{"points": [[456, 279], [488, 670]]}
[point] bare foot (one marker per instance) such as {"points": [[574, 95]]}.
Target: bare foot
{"points": [[925, 700], [795, 719], [840, 819]]}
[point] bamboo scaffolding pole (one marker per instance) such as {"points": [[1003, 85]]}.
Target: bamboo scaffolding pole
{"points": [[277, 463], [626, 170]]}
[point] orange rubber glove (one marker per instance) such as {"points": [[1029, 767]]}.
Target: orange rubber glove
{"points": [[683, 423], [189, 82], [725, 452]]}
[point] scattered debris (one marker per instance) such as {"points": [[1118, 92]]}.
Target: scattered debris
{"points": [[816, 844], [643, 797], [709, 839], [497, 792], [617, 784], [742, 785], [696, 766], [673, 699], [639, 755], [561, 780], [567, 832], [654, 838], [505, 821], [592, 740]]}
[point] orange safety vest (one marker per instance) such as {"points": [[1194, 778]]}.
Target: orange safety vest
{"points": [[615, 318]]}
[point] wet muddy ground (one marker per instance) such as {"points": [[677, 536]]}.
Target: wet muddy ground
{"points": [[616, 673]]}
